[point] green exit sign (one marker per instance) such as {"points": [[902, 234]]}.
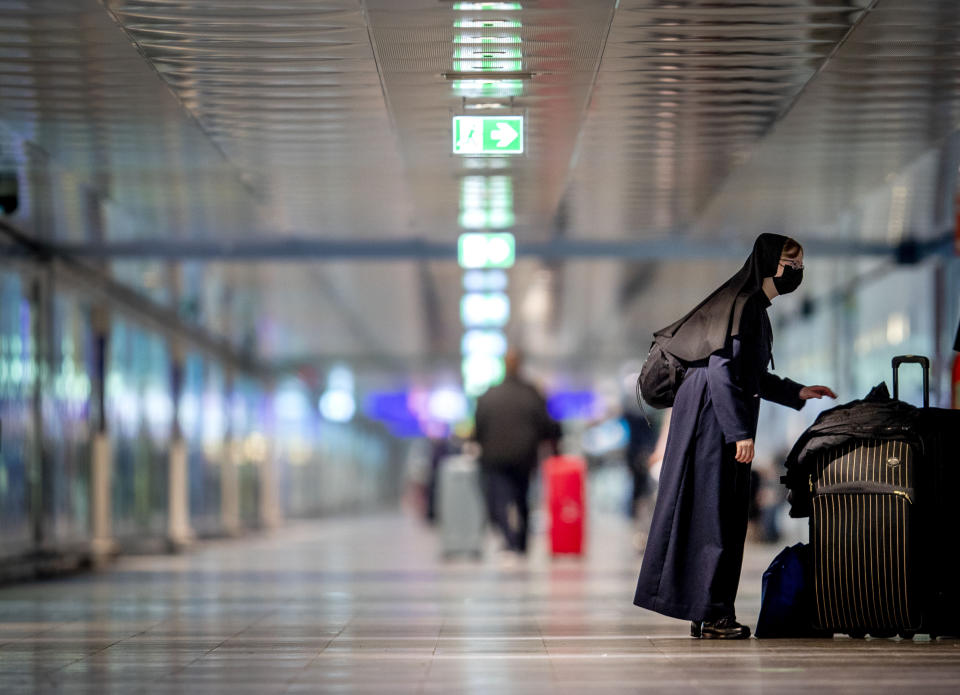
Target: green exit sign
{"points": [[487, 134], [490, 250]]}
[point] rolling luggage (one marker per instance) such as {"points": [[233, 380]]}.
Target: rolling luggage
{"points": [[460, 506], [862, 529], [565, 482], [881, 536]]}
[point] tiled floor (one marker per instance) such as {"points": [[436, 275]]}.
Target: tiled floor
{"points": [[364, 606]]}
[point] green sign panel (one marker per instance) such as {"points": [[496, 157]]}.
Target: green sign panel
{"points": [[490, 250], [487, 134]]}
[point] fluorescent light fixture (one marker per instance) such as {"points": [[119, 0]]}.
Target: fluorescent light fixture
{"points": [[485, 281], [485, 309], [475, 218], [481, 342], [486, 39], [486, 202], [500, 219], [481, 6], [486, 250], [488, 65], [485, 105], [480, 372], [471, 23], [486, 52]]}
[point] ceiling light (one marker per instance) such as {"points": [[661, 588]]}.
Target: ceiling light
{"points": [[487, 23], [484, 281], [491, 250], [485, 310], [488, 88], [478, 39], [485, 105], [480, 342], [479, 6]]}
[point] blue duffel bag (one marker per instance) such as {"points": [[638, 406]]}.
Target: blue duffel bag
{"points": [[786, 604]]}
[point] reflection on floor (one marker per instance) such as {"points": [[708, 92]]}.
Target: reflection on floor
{"points": [[364, 606]]}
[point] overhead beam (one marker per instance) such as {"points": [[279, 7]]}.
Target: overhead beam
{"points": [[298, 249]]}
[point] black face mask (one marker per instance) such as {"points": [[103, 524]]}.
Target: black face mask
{"points": [[789, 281]]}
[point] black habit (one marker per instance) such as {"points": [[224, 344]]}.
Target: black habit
{"points": [[691, 565]]}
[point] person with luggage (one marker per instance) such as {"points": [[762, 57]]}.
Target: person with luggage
{"points": [[691, 565], [511, 422]]}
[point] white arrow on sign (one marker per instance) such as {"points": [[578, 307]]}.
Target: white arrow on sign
{"points": [[504, 134]]}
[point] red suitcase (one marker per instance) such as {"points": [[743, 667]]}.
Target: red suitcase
{"points": [[565, 478]]}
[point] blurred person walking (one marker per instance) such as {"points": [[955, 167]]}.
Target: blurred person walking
{"points": [[691, 566], [511, 422]]}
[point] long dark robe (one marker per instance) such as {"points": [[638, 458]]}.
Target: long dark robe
{"points": [[691, 566]]}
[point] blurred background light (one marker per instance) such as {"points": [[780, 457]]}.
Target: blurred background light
{"points": [[481, 310], [337, 405], [340, 378], [485, 281], [604, 438], [480, 372], [291, 403], [487, 39], [471, 23], [492, 250], [574, 405], [481, 342], [473, 6], [447, 404]]}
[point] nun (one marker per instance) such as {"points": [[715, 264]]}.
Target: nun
{"points": [[691, 566]]}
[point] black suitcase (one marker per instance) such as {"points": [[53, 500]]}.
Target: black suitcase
{"points": [[882, 530]]}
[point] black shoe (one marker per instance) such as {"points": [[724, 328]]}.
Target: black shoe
{"points": [[695, 628], [725, 628]]}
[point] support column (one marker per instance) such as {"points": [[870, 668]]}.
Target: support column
{"points": [[179, 531], [102, 542], [270, 512], [229, 470]]}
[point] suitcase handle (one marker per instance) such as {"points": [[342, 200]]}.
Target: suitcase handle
{"points": [[912, 359]]}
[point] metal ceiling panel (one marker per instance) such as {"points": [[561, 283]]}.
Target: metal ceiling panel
{"points": [[685, 90], [290, 93], [887, 95]]}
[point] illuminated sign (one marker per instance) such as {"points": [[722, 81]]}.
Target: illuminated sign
{"points": [[487, 134], [487, 250]]}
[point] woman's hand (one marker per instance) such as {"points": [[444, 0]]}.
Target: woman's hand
{"points": [[745, 451], [808, 392]]}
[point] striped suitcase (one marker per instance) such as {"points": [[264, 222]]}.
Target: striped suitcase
{"points": [[861, 532]]}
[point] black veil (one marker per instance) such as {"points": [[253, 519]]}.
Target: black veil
{"points": [[706, 328]]}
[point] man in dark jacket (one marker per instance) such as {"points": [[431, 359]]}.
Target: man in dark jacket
{"points": [[511, 421]]}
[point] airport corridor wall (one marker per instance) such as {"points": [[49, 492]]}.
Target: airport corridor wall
{"points": [[48, 421], [65, 341]]}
